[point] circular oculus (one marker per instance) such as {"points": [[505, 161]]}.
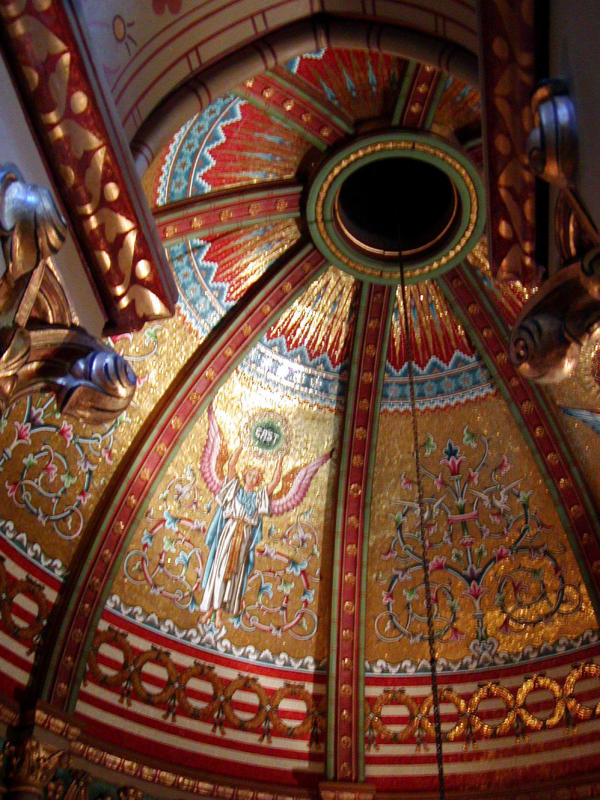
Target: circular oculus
{"points": [[392, 197]]}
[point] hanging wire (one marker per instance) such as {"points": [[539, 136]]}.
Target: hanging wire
{"points": [[428, 604]]}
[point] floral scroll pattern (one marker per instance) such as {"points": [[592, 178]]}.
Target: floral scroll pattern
{"points": [[508, 49], [488, 551], [49, 465], [172, 560]]}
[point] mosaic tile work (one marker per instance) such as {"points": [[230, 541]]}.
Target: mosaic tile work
{"points": [[213, 273], [231, 143], [174, 571], [504, 580]]}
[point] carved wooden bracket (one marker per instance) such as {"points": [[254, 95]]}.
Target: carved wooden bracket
{"points": [[41, 349], [507, 34], [557, 321]]}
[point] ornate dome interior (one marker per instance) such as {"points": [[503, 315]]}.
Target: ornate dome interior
{"points": [[220, 591]]}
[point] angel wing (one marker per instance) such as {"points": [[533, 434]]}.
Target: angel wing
{"points": [[214, 455], [295, 485]]}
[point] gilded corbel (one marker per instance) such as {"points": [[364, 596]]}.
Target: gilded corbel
{"points": [[41, 347], [564, 314]]}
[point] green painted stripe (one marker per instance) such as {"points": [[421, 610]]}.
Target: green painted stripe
{"points": [[435, 100], [403, 93], [366, 529], [339, 527], [479, 342], [472, 143], [327, 111], [275, 114]]}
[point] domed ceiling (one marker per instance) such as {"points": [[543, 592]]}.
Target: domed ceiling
{"points": [[248, 584]]}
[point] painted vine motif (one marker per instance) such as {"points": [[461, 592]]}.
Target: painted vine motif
{"points": [[488, 551], [50, 464], [214, 559]]}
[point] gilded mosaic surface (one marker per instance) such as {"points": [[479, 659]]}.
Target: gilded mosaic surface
{"points": [[156, 353], [51, 467], [234, 552], [54, 469], [321, 321], [578, 401], [503, 576]]}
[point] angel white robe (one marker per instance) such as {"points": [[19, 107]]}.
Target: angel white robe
{"points": [[232, 536]]}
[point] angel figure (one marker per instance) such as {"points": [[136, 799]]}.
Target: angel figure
{"points": [[236, 527]]}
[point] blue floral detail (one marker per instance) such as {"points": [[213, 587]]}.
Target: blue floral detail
{"points": [[451, 450], [237, 621], [171, 522], [147, 538], [266, 589], [296, 567], [308, 595]]}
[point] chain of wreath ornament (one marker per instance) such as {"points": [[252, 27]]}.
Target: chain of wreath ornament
{"points": [[471, 724], [174, 697], [10, 589]]}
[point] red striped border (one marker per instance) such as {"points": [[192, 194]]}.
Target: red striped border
{"points": [[208, 215], [368, 356], [157, 639], [28, 565]]}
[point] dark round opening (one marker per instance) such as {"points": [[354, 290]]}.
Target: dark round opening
{"points": [[395, 205]]}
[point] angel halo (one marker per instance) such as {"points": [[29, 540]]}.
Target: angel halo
{"points": [[236, 527]]}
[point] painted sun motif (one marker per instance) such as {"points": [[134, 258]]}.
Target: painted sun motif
{"points": [[122, 32]]}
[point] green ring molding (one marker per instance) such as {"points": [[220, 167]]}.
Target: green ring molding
{"points": [[452, 249]]}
